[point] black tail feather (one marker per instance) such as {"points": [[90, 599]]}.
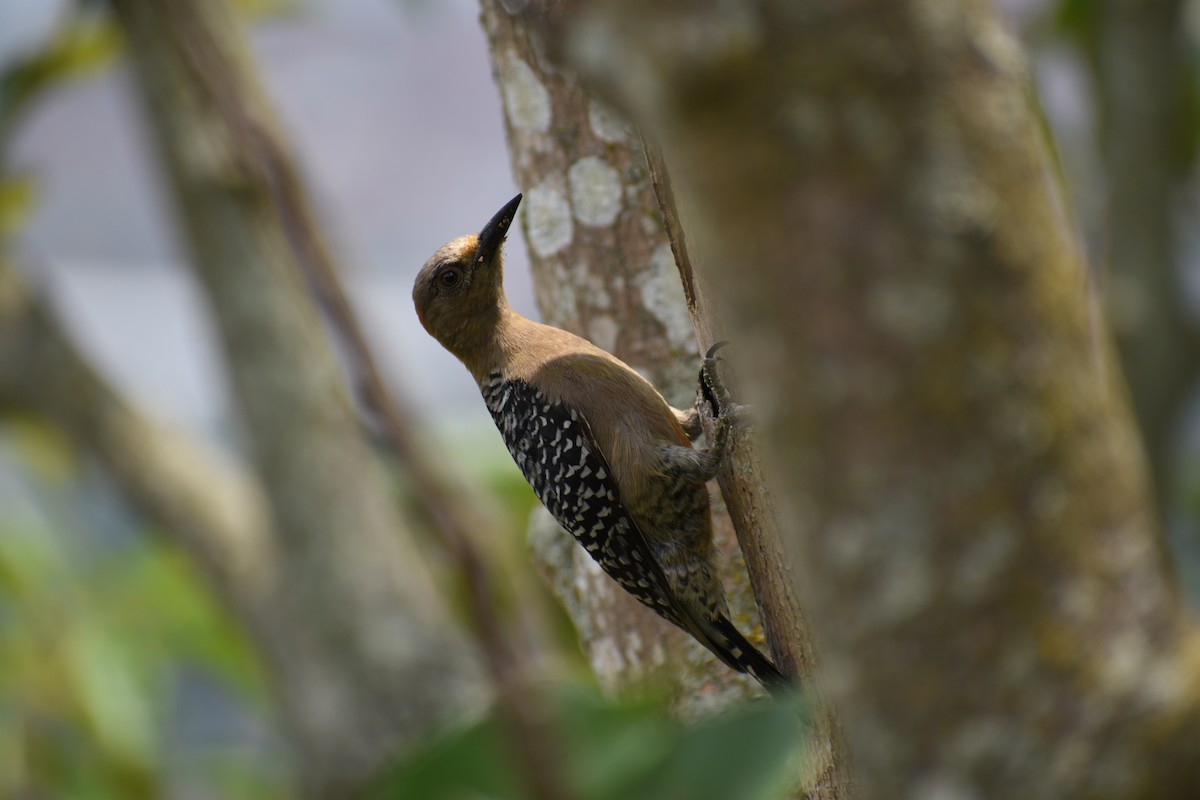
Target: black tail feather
{"points": [[733, 648]]}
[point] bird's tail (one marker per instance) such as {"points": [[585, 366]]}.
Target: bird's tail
{"points": [[728, 644]]}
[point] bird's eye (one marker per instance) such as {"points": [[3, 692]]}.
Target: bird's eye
{"points": [[449, 278]]}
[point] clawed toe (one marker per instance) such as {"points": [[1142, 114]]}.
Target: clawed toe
{"points": [[712, 387]]}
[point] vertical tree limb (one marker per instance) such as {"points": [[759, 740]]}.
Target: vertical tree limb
{"points": [[604, 269], [962, 487]]}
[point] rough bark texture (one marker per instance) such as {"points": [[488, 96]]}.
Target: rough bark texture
{"points": [[366, 659], [961, 480], [1142, 58], [604, 269]]}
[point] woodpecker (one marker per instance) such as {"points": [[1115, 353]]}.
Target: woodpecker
{"points": [[602, 449]]}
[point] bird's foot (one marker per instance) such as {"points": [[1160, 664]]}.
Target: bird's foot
{"points": [[712, 390]]}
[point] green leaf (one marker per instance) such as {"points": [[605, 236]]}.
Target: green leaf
{"points": [[113, 702], [616, 751], [1078, 19], [747, 754], [468, 763]]}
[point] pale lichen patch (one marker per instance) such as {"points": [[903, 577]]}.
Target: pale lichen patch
{"points": [[662, 294], [953, 195], [984, 559], [603, 330], [809, 122], [841, 676], [606, 123], [548, 220], [606, 657], [848, 542], [658, 653], [595, 191], [526, 100], [997, 45], [869, 129], [979, 740], [914, 313], [597, 292], [905, 588], [1125, 663], [939, 23], [719, 35], [1165, 683], [1050, 499], [633, 647], [945, 785], [1080, 599]]}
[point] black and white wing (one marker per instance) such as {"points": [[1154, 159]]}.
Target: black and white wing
{"points": [[555, 451]]}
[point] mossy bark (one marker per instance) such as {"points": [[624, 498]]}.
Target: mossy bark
{"points": [[964, 491]]}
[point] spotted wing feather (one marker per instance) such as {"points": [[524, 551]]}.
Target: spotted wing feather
{"points": [[554, 450]]}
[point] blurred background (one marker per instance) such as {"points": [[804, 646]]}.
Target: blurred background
{"points": [[120, 674], [390, 107]]}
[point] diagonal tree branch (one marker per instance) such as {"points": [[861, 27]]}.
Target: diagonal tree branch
{"points": [[208, 504], [257, 151], [372, 660]]}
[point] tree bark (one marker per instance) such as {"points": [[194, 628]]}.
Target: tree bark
{"points": [[366, 657], [609, 258], [961, 481]]}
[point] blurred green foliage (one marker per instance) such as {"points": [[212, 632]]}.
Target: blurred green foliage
{"points": [[627, 750], [95, 639]]}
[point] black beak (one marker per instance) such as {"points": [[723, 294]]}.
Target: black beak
{"points": [[492, 235]]}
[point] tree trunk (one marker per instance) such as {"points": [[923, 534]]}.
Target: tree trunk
{"points": [[608, 256], [365, 657], [603, 269], [962, 484]]}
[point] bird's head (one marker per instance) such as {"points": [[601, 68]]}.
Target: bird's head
{"points": [[459, 293]]}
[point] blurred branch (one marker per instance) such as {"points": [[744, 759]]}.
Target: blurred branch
{"points": [[447, 505], [209, 505], [1141, 61], [375, 661], [259, 153]]}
